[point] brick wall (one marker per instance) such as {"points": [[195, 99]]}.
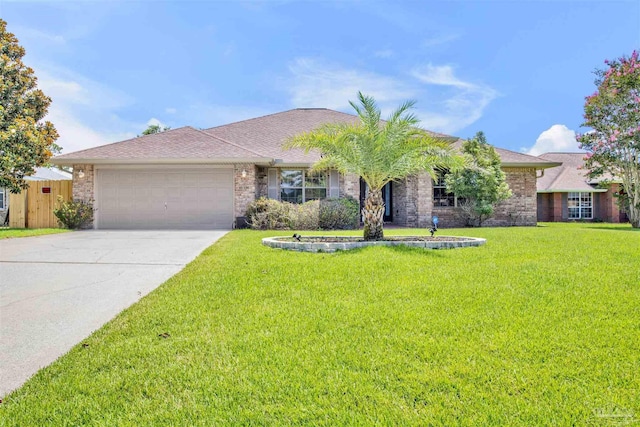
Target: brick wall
{"points": [[399, 201], [521, 208], [245, 187], [83, 187], [609, 210], [350, 186], [412, 201]]}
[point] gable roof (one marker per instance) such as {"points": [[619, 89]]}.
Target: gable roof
{"points": [[258, 140], [181, 145], [566, 178]]}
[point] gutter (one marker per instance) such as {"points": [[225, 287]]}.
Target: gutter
{"points": [[262, 161]]}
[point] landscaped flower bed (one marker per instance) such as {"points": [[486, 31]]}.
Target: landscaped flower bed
{"points": [[343, 243]]}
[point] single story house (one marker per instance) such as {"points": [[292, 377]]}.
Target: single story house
{"points": [[565, 193], [201, 179], [40, 174]]}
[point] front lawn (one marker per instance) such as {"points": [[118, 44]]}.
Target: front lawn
{"points": [[541, 326], [6, 233]]}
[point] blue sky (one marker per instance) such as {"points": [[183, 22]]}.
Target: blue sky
{"points": [[517, 70]]}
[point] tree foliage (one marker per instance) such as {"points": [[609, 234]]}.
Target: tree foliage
{"points": [[378, 151], [613, 144], [26, 141], [481, 185], [155, 129]]}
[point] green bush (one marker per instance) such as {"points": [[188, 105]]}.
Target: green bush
{"points": [[328, 214], [269, 214], [339, 214], [74, 214]]}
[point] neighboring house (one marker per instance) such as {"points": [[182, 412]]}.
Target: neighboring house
{"points": [[565, 193], [40, 174], [190, 178]]}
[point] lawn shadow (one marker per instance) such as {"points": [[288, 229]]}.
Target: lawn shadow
{"points": [[613, 228], [399, 248]]}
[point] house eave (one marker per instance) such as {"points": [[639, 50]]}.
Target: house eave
{"points": [[545, 165], [574, 190], [262, 161]]}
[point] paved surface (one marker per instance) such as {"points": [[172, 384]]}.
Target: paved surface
{"points": [[55, 290]]}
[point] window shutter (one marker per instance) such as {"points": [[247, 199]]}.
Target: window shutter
{"points": [[334, 184], [272, 184]]}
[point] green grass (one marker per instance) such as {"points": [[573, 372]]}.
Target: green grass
{"points": [[7, 233], [541, 326]]}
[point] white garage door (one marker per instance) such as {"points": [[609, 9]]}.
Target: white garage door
{"points": [[164, 199]]}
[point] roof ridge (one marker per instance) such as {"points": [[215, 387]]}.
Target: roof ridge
{"points": [[227, 142], [277, 113], [564, 152]]}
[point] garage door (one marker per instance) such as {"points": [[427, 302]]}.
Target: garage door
{"points": [[164, 199]]}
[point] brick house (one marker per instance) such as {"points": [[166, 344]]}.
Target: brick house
{"points": [[191, 178], [565, 193]]}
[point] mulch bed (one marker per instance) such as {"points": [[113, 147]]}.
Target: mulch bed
{"points": [[344, 239]]}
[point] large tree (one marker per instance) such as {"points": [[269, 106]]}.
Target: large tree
{"points": [[481, 185], [613, 144], [26, 140], [379, 152]]}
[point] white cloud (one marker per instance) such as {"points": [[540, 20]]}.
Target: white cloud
{"points": [[454, 103], [558, 138], [439, 75], [155, 122], [75, 135], [317, 84], [83, 111], [170, 110], [38, 35], [463, 103]]}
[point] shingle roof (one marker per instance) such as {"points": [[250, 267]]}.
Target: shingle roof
{"points": [[567, 177], [260, 138], [514, 159], [266, 134], [185, 143]]}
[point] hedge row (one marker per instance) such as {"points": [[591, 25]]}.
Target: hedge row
{"points": [[327, 214]]}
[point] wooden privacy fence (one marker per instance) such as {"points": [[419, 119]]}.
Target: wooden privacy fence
{"points": [[33, 208]]}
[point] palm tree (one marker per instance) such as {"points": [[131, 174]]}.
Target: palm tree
{"points": [[379, 152]]}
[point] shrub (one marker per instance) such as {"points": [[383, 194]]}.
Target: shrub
{"points": [[305, 216], [328, 214], [339, 214], [269, 214], [74, 214]]}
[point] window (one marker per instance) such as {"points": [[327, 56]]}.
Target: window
{"points": [[2, 198], [299, 186], [580, 205], [441, 197]]}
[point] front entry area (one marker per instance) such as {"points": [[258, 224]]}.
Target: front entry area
{"points": [[164, 198], [386, 197]]}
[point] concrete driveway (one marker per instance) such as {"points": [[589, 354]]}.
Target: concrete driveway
{"points": [[55, 290]]}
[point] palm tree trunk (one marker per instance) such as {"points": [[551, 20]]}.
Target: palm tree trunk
{"points": [[373, 213]]}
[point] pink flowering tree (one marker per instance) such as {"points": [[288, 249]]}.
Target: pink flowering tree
{"points": [[613, 143]]}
